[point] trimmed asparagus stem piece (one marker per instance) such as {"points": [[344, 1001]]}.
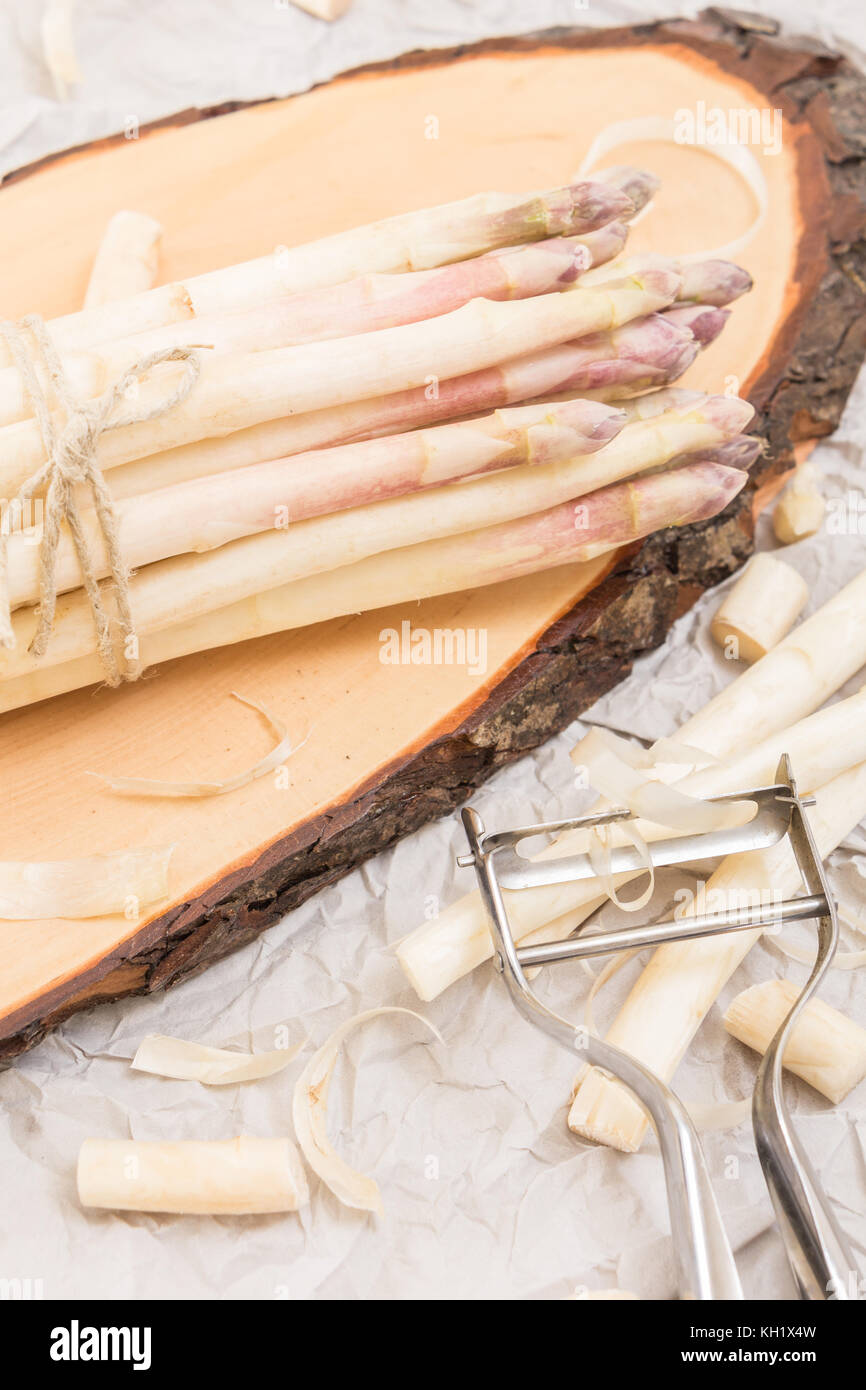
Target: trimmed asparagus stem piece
{"points": [[183, 587], [826, 1049], [227, 1177], [609, 518], [800, 510], [410, 241], [643, 352], [126, 261], [360, 306], [211, 511], [683, 979], [236, 390], [760, 609], [793, 680]]}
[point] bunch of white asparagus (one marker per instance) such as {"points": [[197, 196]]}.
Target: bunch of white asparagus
{"points": [[436, 402]]}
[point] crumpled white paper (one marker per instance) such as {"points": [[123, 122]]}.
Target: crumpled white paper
{"points": [[487, 1194]]}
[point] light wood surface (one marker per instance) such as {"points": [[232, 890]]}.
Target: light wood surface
{"points": [[235, 187]]}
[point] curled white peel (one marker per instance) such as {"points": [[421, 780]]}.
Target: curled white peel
{"points": [[310, 1113], [661, 128], [97, 886], [624, 774], [805, 955], [212, 1066], [599, 848], [147, 786]]}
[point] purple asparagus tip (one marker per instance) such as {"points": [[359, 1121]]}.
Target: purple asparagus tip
{"points": [[606, 243], [704, 320], [637, 184], [741, 453], [728, 413], [686, 356], [610, 427], [714, 282]]}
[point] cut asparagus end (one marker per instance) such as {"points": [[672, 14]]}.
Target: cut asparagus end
{"points": [[826, 1049], [760, 609], [801, 508]]}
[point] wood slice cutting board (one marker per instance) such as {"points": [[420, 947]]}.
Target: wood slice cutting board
{"points": [[393, 746]]}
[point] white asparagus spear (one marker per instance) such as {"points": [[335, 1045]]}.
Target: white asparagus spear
{"points": [[684, 978], [758, 611], [789, 683], [365, 305], [228, 1177], [409, 241], [826, 1049], [212, 512], [126, 261], [177, 589], [612, 517], [649, 344], [236, 390]]}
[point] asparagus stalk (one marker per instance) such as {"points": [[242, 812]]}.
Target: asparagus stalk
{"points": [[177, 589], [826, 1049], [211, 511], [236, 390], [126, 261], [710, 282], [224, 1177], [760, 609], [714, 282], [793, 680], [644, 352], [364, 305], [409, 241], [609, 518], [683, 979]]}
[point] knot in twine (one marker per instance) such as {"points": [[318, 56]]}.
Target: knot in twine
{"points": [[70, 451]]}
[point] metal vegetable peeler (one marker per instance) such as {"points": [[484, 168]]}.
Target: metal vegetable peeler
{"points": [[817, 1248]]}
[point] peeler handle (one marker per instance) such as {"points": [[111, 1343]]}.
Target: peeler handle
{"points": [[705, 1263], [818, 1251]]}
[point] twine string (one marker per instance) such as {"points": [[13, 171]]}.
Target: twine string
{"points": [[70, 453]]}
